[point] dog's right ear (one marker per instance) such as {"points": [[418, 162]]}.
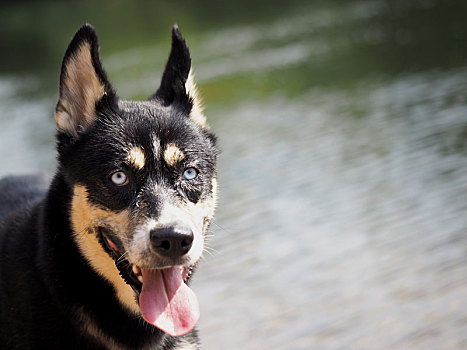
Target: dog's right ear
{"points": [[83, 83]]}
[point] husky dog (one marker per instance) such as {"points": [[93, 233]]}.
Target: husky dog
{"points": [[100, 256]]}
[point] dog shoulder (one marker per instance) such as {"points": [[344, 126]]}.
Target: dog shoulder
{"points": [[19, 191]]}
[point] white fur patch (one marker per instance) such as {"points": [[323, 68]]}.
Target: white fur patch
{"points": [[139, 249], [156, 144], [184, 345]]}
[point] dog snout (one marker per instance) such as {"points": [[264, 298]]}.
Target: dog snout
{"points": [[172, 241]]}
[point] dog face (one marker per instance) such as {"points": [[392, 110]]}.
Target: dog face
{"points": [[143, 179]]}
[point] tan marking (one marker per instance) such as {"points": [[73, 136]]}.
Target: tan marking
{"points": [[79, 93], [136, 157], [173, 154], [197, 111], [84, 217]]}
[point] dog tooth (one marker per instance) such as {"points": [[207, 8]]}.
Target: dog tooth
{"points": [[136, 270], [140, 278]]}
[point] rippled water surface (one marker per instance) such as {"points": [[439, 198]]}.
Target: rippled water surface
{"points": [[342, 220]]}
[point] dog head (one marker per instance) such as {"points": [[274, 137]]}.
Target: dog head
{"points": [[143, 179]]}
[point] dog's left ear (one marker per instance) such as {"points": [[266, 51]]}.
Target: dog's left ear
{"points": [[178, 85], [83, 83]]}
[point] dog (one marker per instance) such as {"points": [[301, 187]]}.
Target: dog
{"points": [[100, 256]]}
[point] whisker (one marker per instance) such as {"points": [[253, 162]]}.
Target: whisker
{"points": [[122, 258]]}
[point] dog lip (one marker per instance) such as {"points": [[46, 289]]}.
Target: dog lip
{"points": [[123, 265], [110, 244]]}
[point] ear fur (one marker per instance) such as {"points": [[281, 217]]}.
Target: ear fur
{"points": [[197, 109], [83, 83], [178, 85]]}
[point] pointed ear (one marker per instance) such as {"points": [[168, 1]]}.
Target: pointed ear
{"points": [[83, 83], [178, 85]]}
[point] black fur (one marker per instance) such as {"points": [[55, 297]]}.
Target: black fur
{"points": [[45, 282], [172, 89]]}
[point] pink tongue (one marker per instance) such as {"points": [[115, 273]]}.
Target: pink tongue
{"points": [[167, 302]]}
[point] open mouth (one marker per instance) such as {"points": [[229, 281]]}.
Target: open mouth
{"points": [[165, 300]]}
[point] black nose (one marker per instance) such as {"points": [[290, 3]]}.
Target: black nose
{"points": [[172, 241]]}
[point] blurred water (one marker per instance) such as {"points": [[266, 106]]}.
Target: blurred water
{"points": [[341, 232], [342, 220]]}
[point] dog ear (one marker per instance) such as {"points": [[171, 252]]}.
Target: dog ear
{"points": [[83, 83], [178, 85]]}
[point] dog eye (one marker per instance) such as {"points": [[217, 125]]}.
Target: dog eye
{"points": [[190, 174], [119, 178]]}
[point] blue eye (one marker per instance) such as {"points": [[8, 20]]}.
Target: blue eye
{"points": [[190, 174], [119, 178]]}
